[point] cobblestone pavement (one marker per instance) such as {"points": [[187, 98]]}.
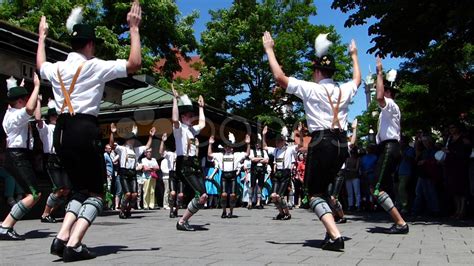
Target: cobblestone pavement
{"points": [[251, 238]]}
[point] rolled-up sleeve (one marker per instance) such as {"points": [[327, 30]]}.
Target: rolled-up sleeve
{"points": [[47, 70]]}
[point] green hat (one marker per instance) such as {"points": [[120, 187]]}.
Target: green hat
{"points": [[15, 91], [51, 108], [325, 62]]}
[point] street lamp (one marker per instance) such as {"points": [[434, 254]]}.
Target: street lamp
{"points": [[371, 137], [369, 86]]}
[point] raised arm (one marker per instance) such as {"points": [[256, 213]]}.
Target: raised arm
{"points": [[175, 110], [209, 148], [134, 18], [38, 119], [150, 138], [41, 51], [380, 90], [202, 118], [264, 138], [247, 141], [278, 73], [164, 137], [33, 100], [113, 129], [355, 63], [354, 132]]}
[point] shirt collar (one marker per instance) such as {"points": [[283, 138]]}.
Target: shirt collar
{"points": [[76, 56], [326, 81]]}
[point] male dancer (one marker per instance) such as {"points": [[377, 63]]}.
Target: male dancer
{"points": [[187, 163], [76, 133], [59, 178], [259, 159], [335, 188], [387, 138], [229, 163], [176, 187], [17, 158], [326, 106], [284, 155], [129, 154]]}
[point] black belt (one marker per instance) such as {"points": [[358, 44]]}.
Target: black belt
{"points": [[18, 149], [388, 141], [79, 116], [328, 132]]}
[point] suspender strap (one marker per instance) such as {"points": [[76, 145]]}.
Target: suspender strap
{"points": [[335, 110], [67, 94]]}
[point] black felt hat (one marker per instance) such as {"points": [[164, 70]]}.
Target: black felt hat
{"points": [[325, 62], [84, 32]]}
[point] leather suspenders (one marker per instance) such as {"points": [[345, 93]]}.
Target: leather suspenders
{"points": [[67, 94], [335, 110]]}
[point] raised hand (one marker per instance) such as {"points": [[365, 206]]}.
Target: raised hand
{"points": [[265, 130], [113, 128], [378, 64], [352, 47], [152, 131], [267, 40], [175, 93], [134, 17], [36, 80], [211, 139], [247, 138], [201, 101], [300, 126], [354, 124], [43, 28], [164, 137]]}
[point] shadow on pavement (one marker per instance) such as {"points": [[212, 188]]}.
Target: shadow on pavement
{"points": [[107, 250], [377, 230], [201, 227], [314, 243], [37, 234]]}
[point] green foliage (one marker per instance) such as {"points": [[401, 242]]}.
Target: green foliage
{"points": [[161, 31], [437, 38], [235, 64]]}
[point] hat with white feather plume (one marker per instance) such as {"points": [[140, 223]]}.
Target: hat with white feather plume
{"points": [[14, 91], [283, 135], [231, 138], [80, 31], [51, 108], [389, 82], [323, 59], [185, 105]]}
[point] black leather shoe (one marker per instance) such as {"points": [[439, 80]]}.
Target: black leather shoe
{"points": [[57, 247], [9, 234], [286, 217], [230, 215], [172, 215], [184, 227], [48, 219], [128, 213], [224, 215], [260, 207], [397, 229], [341, 220], [70, 254], [334, 245], [122, 215], [280, 216]]}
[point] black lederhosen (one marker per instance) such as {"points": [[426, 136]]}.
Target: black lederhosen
{"points": [[18, 164], [56, 172], [327, 152], [228, 182], [280, 181], [128, 180], [187, 168], [258, 175], [175, 183], [389, 157], [77, 143]]}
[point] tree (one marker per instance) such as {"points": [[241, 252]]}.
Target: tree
{"points": [[235, 71], [162, 27], [437, 39]]}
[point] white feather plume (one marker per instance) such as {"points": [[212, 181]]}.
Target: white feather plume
{"points": [[135, 130], [259, 136], [284, 132], [74, 18], [391, 75], [51, 104], [322, 44], [185, 100], [11, 83], [220, 147], [231, 138]]}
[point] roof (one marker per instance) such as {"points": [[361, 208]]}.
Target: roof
{"points": [[133, 99], [187, 69]]}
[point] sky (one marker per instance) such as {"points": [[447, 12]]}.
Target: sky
{"points": [[325, 16]]}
